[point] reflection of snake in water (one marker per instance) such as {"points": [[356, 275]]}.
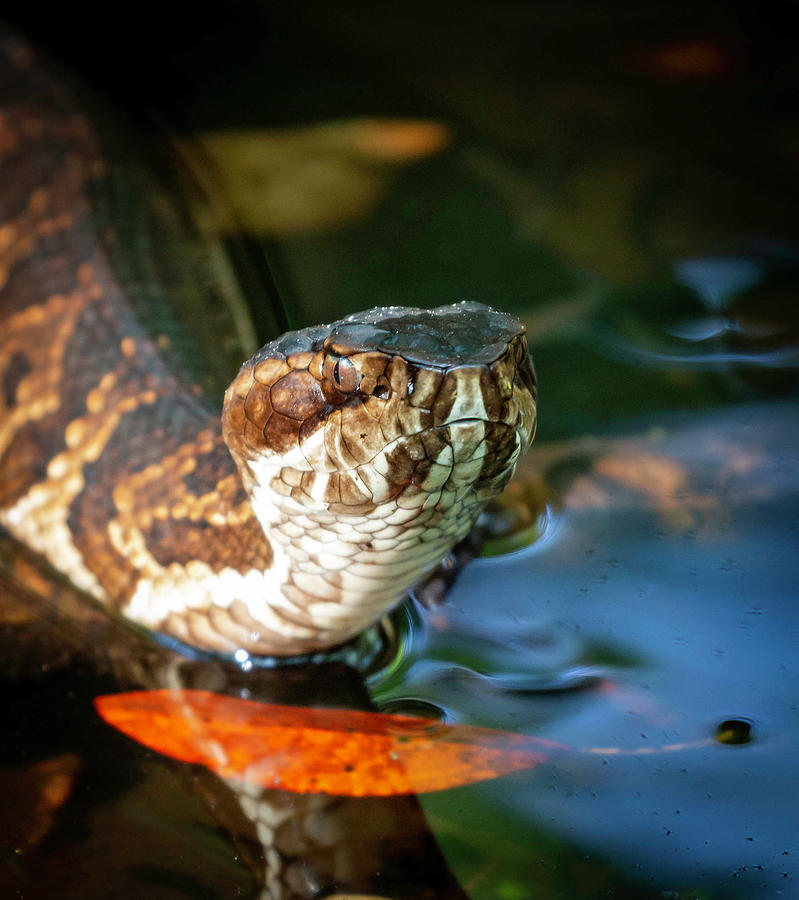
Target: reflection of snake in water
{"points": [[361, 451]]}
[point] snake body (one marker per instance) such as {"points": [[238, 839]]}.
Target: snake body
{"points": [[348, 460]]}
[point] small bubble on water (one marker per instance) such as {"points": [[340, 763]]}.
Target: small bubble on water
{"points": [[242, 658], [734, 731]]}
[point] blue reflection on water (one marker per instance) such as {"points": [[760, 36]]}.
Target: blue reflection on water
{"points": [[716, 279], [681, 628], [729, 328]]}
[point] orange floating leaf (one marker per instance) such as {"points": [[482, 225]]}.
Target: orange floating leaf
{"points": [[305, 750]]}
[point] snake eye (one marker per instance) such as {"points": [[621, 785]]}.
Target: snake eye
{"points": [[342, 372]]}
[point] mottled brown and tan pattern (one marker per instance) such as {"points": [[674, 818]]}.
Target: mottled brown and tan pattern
{"points": [[357, 453]]}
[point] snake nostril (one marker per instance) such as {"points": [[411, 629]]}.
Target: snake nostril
{"points": [[381, 391]]}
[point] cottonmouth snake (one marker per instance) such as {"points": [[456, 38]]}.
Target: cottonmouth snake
{"points": [[359, 453], [349, 459]]}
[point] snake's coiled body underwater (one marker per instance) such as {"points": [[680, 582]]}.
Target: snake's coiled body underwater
{"points": [[348, 459]]}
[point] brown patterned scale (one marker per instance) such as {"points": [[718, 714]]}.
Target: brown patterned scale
{"points": [[349, 459]]}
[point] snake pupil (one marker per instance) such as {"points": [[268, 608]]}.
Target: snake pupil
{"points": [[344, 374]]}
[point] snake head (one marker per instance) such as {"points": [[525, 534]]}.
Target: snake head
{"points": [[383, 402]]}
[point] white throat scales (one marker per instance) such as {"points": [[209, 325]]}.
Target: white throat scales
{"points": [[343, 571]]}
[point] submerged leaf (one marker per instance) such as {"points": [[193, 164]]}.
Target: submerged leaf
{"points": [[35, 792], [307, 750]]}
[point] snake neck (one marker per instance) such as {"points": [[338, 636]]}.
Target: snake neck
{"points": [[337, 572]]}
